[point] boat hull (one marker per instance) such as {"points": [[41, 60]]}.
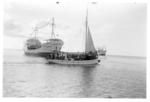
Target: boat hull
{"points": [[36, 52], [74, 62], [45, 49], [40, 54]]}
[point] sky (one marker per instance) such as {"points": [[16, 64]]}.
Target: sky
{"points": [[120, 27]]}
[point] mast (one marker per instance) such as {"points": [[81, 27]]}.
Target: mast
{"points": [[52, 33], [89, 45], [86, 29], [35, 32]]}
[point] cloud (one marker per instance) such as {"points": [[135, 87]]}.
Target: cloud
{"points": [[11, 25], [12, 28]]}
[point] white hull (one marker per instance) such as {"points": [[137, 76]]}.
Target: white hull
{"points": [[73, 62]]}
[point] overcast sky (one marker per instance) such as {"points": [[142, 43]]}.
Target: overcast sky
{"points": [[120, 27]]}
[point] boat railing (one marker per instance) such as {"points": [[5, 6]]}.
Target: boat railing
{"points": [[65, 56]]}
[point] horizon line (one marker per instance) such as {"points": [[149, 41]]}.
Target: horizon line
{"points": [[106, 54]]}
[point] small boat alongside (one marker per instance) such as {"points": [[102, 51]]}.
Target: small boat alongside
{"points": [[74, 62]]}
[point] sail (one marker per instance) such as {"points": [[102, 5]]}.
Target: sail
{"points": [[89, 45]]}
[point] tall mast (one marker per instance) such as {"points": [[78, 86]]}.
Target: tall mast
{"points": [[89, 45], [53, 24], [86, 29], [35, 32]]}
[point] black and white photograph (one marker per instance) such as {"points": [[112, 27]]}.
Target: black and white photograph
{"points": [[74, 49]]}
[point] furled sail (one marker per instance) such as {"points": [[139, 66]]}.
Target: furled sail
{"points": [[89, 45]]}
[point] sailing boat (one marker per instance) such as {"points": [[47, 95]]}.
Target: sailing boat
{"points": [[88, 57]]}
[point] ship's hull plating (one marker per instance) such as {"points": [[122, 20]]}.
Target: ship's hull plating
{"points": [[45, 49], [36, 52]]}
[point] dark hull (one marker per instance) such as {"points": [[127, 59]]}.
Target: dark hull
{"points": [[37, 54]]}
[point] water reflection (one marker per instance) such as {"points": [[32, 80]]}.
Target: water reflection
{"points": [[87, 80], [32, 77]]}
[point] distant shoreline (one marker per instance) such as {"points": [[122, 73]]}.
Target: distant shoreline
{"points": [[142, 57]]}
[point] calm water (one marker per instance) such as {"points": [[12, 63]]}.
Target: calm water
{"points": [[114, 77]]}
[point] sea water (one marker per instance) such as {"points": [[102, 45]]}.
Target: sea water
{"points": [[114, 77]]}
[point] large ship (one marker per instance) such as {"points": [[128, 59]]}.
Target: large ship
{"points": [[33, 46], [88, 57], [102, 51]]}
